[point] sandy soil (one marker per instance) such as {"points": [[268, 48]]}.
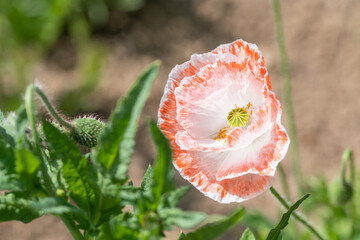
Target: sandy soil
{"points": [[323, 42]]}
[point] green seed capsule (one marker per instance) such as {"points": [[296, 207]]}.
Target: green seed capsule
{"points": [[86, 131]]}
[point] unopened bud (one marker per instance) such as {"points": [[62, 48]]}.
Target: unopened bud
{"points": [[86, 131], [341, 192]]}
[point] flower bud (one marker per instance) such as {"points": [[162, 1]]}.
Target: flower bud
{"points": [[341, 192], [86, 131]]}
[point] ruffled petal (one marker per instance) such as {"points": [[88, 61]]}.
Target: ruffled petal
{"points": [[200, 168], [245, 50], [167, 110], [261, 157], [205, 99]]}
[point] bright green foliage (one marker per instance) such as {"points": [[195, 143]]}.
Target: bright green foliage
{"points": [[247, 235], [26, 166], [56, 205], [74, 168], [13, 207], [275, 232], [181, 236], [214, 230], [25, 162], [122, 125], [163, 173]]}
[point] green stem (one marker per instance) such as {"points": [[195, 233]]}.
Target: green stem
{"points": [[298, 217], [69, 223], [99, 205], [348, 158], [52, 110], [284, 182], [285, 73], [30, 111]]}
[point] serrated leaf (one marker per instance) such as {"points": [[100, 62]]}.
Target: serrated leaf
{"points": [[116, 141], [9, 181], [5, 137], [147, 181], [123, 226], [180, 218], [247, 235], [163, 172], [13, 128], [16, 208], [275, 232], [74, 170], [20, 125], [111, 198], [55, 205], [174, 197], [181, 236], [214, 230], [7, 157]]}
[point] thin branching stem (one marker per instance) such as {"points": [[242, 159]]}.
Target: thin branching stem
{"points": [[284, 182], [30, 111], [69, 223], [297, 216], [348, 163], [285, 75], [52, 110]]}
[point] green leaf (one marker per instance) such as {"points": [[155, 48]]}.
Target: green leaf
{"points": [[163, 172], [147, 181], [247, 235], [13, 128], [26, 166], [7, 157], [2, 117], [275, 232], [180, 218], [75, 168], [182, 236], [123, 226], [216, 229], [26, 163], [16, 208], [20, 125], [116, 141], [9, 181], [113, 198], [57, 206], [6, 132], [174, 197], [256, 220]]}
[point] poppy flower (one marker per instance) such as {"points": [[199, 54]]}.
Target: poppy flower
{"points": [[224, 122]]}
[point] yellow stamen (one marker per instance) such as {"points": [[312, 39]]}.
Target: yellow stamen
{"points": [[222, 133], [238, 117]]}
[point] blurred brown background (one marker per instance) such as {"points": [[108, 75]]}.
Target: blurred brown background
{"points": [[323, 44]]}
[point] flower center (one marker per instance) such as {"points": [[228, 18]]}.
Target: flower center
{"points": [[237, 117]]}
